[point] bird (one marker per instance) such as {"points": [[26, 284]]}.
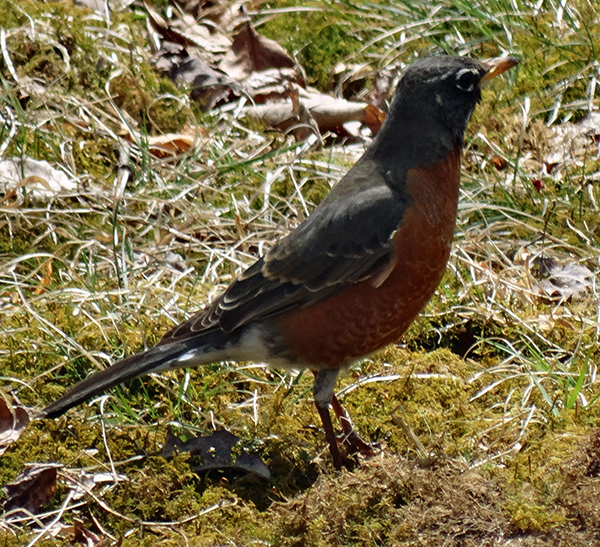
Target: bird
{"points": [[352, 277]]}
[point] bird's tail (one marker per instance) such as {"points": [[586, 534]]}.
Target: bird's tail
{"points": [[176, 354]]}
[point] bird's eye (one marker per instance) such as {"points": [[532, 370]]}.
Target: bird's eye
{"points": [[467, 79]]}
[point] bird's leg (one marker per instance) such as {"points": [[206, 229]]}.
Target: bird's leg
{"points": [[323, 386], [351, 437]]}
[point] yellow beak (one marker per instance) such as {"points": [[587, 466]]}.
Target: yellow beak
{"points": [[498, 66]]}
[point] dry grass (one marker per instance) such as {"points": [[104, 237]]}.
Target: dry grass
{"points": [[102, 270]]}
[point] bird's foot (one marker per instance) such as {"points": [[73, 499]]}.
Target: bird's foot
{"points": [[352, 440], [357, 445]]}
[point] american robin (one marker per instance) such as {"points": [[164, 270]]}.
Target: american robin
{"points": [[354, 275]]}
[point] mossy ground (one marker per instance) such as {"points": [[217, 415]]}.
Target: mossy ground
{"points": [[489, 388]]}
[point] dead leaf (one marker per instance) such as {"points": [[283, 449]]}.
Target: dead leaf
{"points": [[271, 84], [13, 421], [37, 177], [225, 14], [172, 144], [81, 482], [208, 39], [251, 52], [574, 140], [46, 280], [209, 86], [186, 31], [564, 281], [305, 124], [328, 112], [498, 162], [163, 28], [216, 452], [374, 118], [184, 65], [83, 535], [32, 489]]}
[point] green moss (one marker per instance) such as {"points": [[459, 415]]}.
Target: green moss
{"points": [[490, 463], [531, 518], [320, 39]]}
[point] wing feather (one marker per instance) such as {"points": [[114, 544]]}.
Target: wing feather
{"points": [[347, 239]]}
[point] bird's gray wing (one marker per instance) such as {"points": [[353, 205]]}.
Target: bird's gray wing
{"points": [[348, 238]]}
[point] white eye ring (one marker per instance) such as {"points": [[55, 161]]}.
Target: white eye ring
{"points": [[466, 79]]}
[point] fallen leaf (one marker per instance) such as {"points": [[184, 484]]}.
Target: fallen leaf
{"points": [[215, 452], [13, 421], [208, 39], [374, 118], [83, 535], [538, 184], [46, 280], [32, 489], [563, 281], [573, 140], [171, 144], [208, 86], [186, 31], [498, 162], [251, 52], [305, 124], [271, 84], [328, 112], [37, 177], [226, 14], [82, 482]]}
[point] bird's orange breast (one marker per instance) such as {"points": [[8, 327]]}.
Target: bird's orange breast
{"points": [[373, 313]]}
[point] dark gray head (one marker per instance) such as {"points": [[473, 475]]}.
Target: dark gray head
{"points": [[446, 88], [431, 107]]}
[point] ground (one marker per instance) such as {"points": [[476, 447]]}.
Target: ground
{"points": [[484, 416]]}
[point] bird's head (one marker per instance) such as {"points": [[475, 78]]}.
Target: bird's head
{"points": [[433, 102]]}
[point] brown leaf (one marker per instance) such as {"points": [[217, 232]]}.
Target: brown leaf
{"points": [[46, 278], [305, 124], [209, 86], [216, 452], [498, 162], [32, 489], [271, 85], [162, 26], [207, 39], [13, 421], [226, 14], [251, 52], [564, 281], [329, 113], [374, 118], [84, 536], [573, 141], [172, 144], [187, 32]]}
